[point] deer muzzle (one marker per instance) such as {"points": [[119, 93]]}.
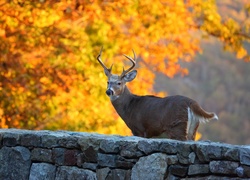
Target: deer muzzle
{"points": [[109, 92]]}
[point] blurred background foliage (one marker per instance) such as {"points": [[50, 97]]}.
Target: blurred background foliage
{"points": [[50, 78]]}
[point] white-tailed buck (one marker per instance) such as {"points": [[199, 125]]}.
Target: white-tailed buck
{"points": [[175, 117]]}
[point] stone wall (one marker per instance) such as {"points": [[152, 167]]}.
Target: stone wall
{"points": [[39, 155]]}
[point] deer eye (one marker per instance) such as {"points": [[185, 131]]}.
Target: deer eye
{"points": [[108, 82], [119, 83]]}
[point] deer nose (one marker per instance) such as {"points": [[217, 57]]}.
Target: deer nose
{"points": [[109, 92]]}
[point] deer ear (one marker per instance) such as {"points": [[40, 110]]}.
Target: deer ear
{"points": [[130, 76], [107, 72]]}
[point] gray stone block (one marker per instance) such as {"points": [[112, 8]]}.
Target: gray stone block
{"points": [[245, 156], [11, 139], [125, 163], [168, 146], [184, 149], [149, 166], [110, 146], [90, 141], [90, 155], [207, 152], [42, 171], [74, 173], [62, 156], [68, 142], [223, 167], [172, 159], [90, 166], [102, 173], [172, 177], [240, 171], [178, 170], [49, 141], [191, 157], [148, 146], [232, 154], [243, 171], [14, 163], [130, 150], [31, 139], [106, 160], [58, 155], [119, 174], [198, 169], [42, 155]]}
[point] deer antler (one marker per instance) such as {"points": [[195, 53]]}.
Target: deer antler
{"points": [[124, 72], [107, 70]]}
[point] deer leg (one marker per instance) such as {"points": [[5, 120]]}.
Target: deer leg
{"points": [[181, 137], [192, 132], [177, 131]]}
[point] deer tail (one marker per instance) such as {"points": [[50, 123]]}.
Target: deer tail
{"points": [[200, 114], [197, 115]]}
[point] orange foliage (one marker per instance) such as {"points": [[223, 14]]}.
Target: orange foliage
{"points": [[49, 76]]}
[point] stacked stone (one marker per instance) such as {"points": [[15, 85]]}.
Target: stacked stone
{"points": [[68, 155]]}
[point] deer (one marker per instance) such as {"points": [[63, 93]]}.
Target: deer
{"points": [[174, 117]]}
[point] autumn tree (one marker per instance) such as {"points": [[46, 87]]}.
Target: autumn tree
{"points": [[49, 76]]}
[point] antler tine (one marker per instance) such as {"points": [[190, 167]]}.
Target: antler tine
{"points": [[100, 61], [133, 65]]}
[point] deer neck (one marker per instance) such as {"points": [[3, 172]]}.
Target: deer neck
{"points": [[122, 102], [121, 97]]}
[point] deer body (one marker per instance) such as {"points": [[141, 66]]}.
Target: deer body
{"points": [[175, 117]]}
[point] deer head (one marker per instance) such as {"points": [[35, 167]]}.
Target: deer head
{"points": [[117, 83]]}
